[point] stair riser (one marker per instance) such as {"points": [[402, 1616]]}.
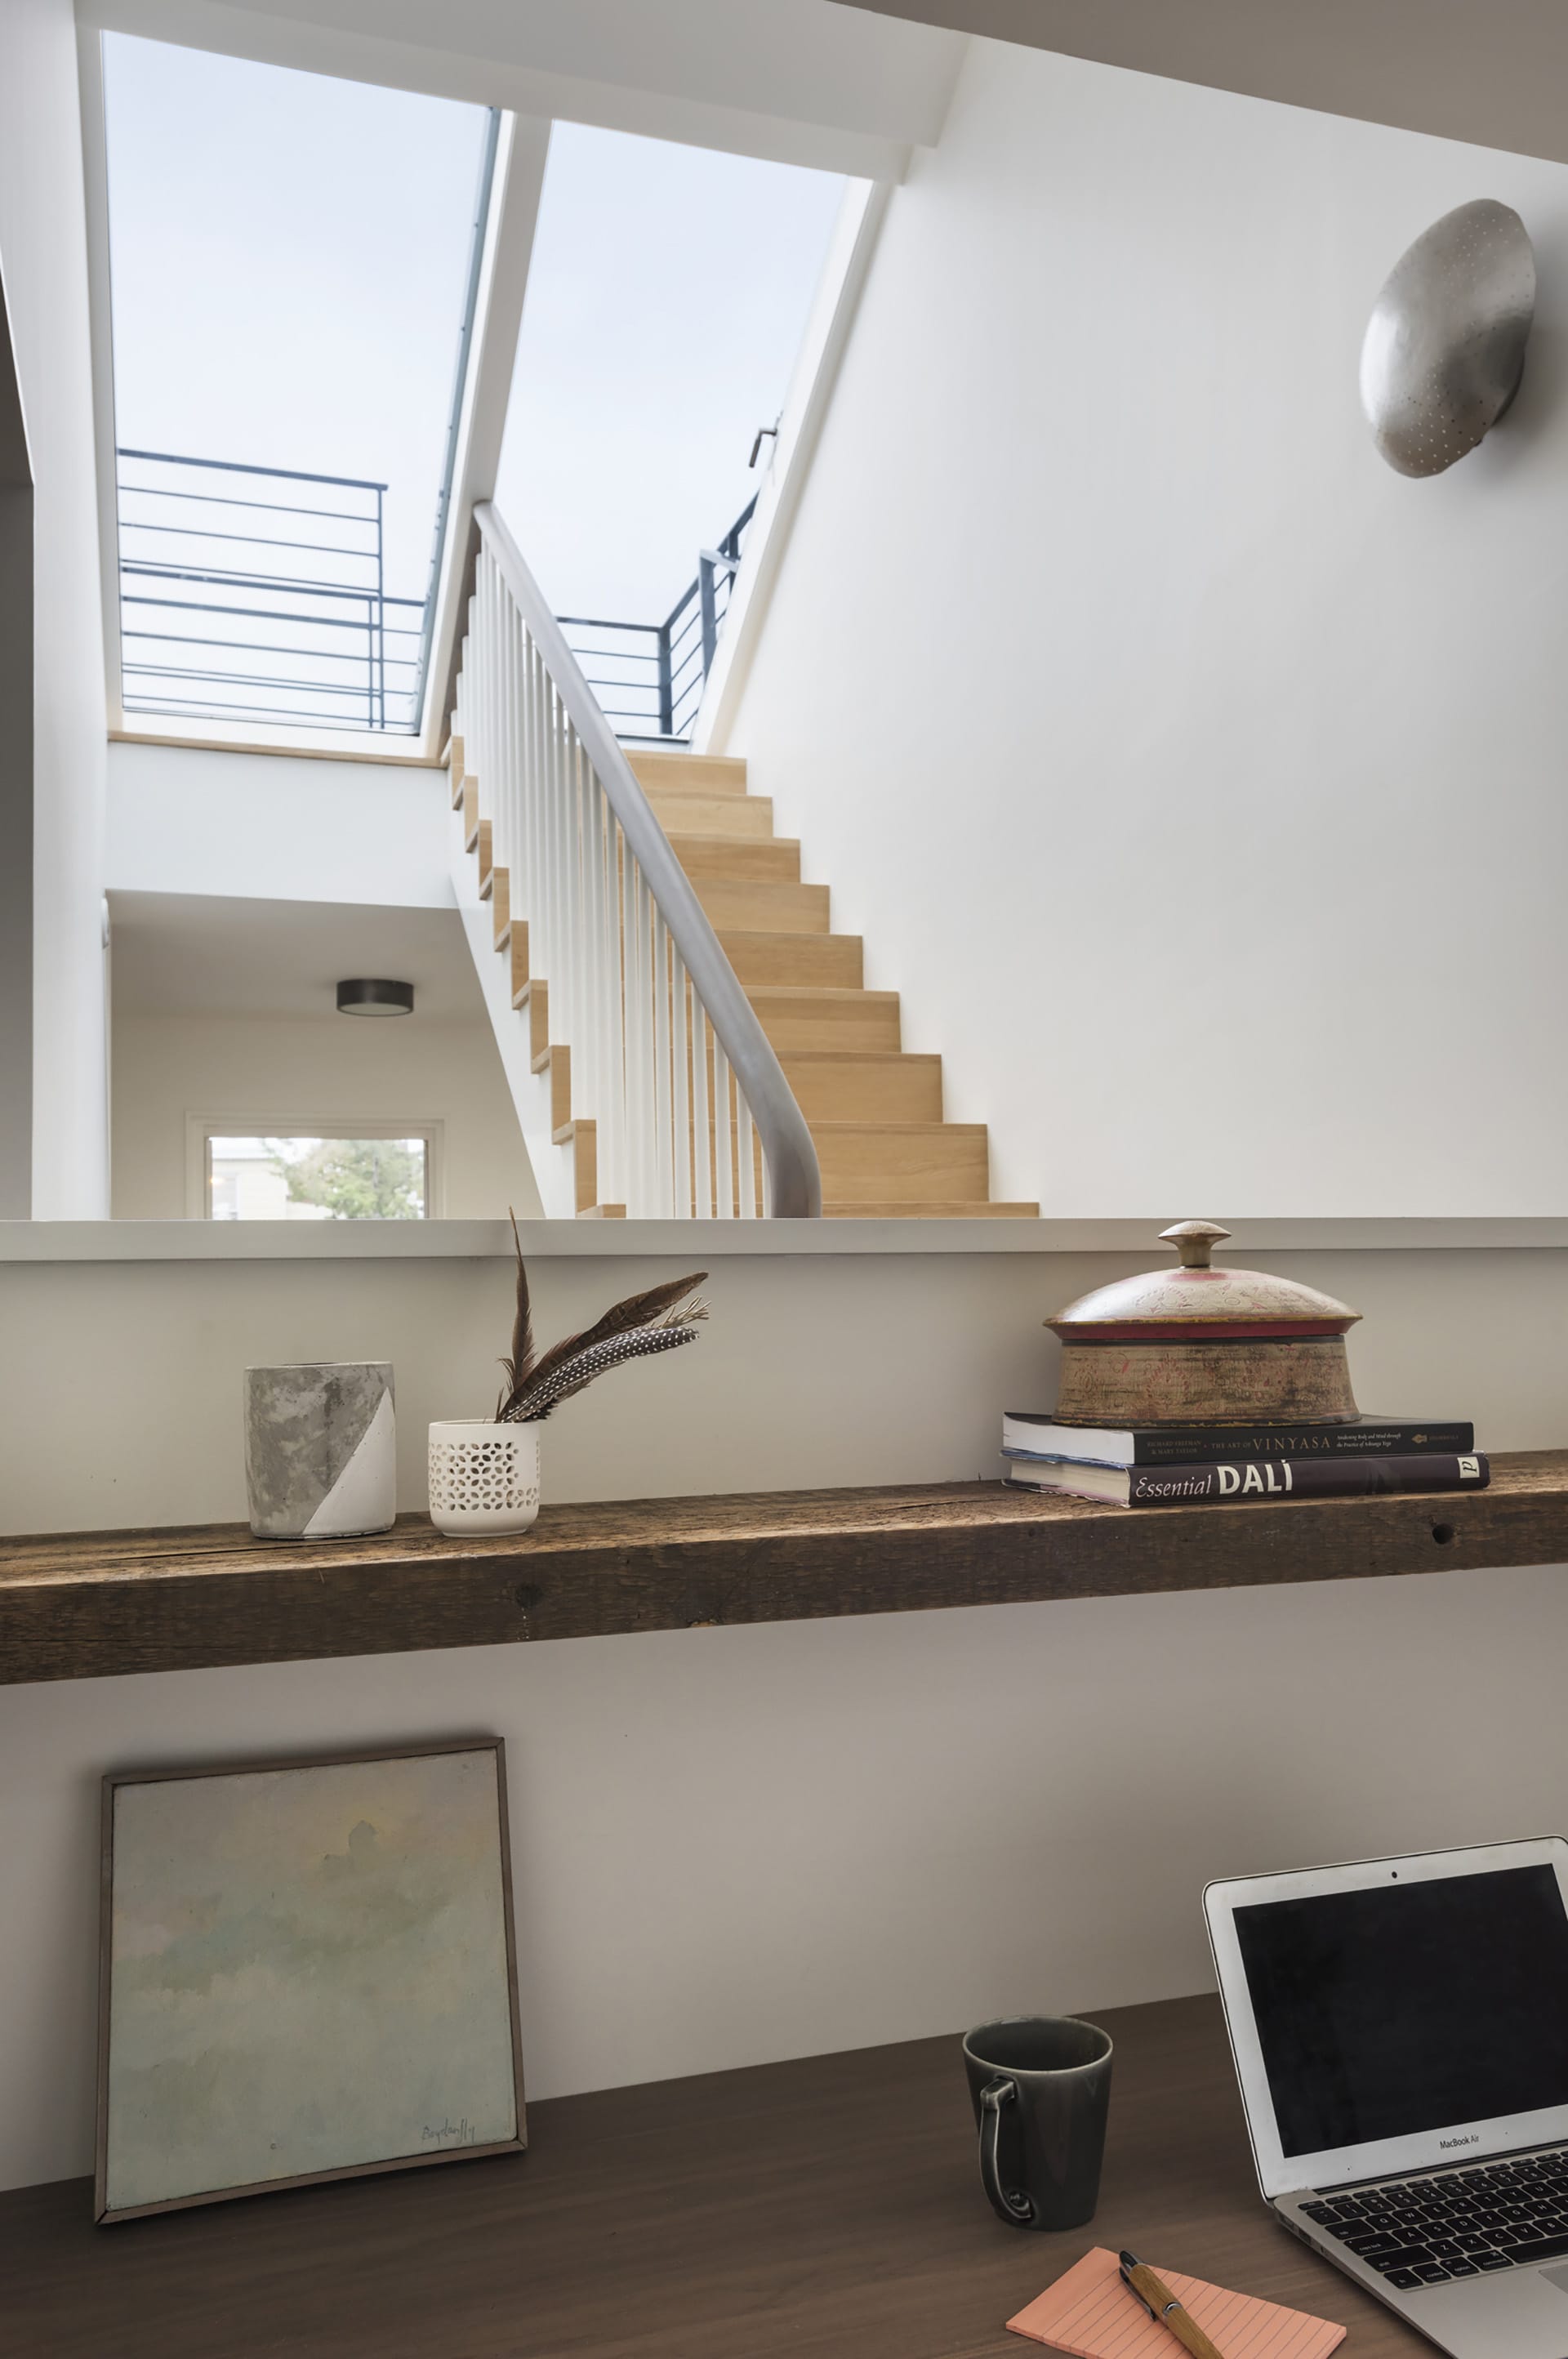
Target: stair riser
{"points": [[805, 1023], [731, 860], [747, 816], [704, 774], [765, 908], [810, 961], [875, 1089], [885, 1168]]}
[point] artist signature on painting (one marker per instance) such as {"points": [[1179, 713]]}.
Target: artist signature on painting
{"points": [[450, 2133]]}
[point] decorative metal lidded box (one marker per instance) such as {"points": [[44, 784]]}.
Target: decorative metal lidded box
{"points": [[1202, 1346]]}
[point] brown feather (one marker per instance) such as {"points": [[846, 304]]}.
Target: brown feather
{"points": [[637, 1310], [546, 1391], [520, 1366]]}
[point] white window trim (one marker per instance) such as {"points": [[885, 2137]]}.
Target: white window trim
{"points": [[199, 1127]]}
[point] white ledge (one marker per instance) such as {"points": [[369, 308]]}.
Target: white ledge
{"points": [[704, 1241]]}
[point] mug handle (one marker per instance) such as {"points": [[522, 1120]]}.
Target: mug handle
{"points": [[1010, 2203]]}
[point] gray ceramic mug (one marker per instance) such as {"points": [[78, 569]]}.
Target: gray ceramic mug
{"points": [[1040, 2085]]}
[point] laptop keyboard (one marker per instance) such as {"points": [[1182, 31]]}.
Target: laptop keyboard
{"points": [[1462, 2224]]}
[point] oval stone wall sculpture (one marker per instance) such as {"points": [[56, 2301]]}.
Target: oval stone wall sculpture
{"points": [[1444, 347]]}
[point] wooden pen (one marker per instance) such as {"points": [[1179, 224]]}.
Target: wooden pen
{"points": [[1164, 2309]]}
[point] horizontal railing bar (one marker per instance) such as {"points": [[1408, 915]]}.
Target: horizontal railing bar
{"points": [[258, 613], [615, 654], [598, 622], [266, 647], [214, 707], [251, 540], [358, 689], [224, 576], [239, 467], [224, 500]]}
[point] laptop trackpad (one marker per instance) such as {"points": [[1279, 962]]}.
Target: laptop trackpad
{"points": [[1558, 2278]]}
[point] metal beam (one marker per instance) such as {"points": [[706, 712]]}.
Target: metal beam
{"points": [[518, 180]]}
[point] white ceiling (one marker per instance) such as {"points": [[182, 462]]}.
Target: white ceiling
{"points": [[805, 82], [185, 955], [1490, 72]]}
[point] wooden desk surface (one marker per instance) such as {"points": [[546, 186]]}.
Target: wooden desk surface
{"points": [[828, 2209]]}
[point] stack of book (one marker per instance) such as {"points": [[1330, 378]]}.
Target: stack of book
{"points": [[1166, 1466]]}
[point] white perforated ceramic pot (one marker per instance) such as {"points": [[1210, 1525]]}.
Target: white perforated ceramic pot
{"points": [[484, 1477]]}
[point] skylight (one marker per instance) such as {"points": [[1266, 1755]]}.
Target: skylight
{"points": [[668, 296], [290, 259]]}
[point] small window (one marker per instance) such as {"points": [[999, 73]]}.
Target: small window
{"points": [[317, 1177]]}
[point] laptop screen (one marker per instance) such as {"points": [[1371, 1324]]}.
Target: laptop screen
{"points": [[1411, 2007]]}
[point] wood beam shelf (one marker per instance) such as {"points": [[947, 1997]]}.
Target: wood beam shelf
{"points": [[89, 1605]]}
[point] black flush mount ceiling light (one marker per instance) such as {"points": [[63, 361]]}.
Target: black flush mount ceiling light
{"points": [[372, 996]]}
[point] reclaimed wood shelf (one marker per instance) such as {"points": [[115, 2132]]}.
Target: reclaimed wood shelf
{"points": [[89, 1605], [824, 2209]]}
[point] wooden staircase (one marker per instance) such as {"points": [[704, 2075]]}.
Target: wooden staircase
{"points": [[874, 1111]]}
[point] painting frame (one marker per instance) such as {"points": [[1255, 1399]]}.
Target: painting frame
{"points": [[106, 2214]]}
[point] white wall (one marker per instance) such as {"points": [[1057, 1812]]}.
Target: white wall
{"points": [[1195, 778], [738, 1845], [277, 827], [43, 246], [284, 1072]]}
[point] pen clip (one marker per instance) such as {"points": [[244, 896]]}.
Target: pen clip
{"points": [[1136, 2292]]}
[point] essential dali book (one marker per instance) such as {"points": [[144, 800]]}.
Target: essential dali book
{"points": [[1246, 1480]]}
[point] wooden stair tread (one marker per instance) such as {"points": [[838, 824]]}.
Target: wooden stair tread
{"points": [[878, 1058], [827, 994], [878, 1129], [963, 1210]]}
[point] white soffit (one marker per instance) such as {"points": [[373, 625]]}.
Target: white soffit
{"points": [[193, 955], [1492, 72], [798, 81]]}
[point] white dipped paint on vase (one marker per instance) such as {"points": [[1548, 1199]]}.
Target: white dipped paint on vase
{"points": [[484, 1477], [321, 1449]]}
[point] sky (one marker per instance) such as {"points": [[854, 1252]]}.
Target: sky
{"points": [[667, 297], [288, 254]]}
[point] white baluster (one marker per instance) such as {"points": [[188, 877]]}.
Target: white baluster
{"points": [[746, 1156], [664, 1095], [723, 1171], [702, 1146], [680, 1040], [614, 957]]}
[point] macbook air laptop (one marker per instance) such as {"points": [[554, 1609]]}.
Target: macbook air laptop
{"points": [[1400, 2034]]}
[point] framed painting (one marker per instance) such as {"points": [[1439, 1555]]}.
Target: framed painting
{"points": [[308, 1972]]}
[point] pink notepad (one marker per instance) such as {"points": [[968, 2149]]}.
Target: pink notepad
{"points": [[1091, 2314]]}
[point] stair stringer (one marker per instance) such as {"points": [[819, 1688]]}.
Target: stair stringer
{"points": [[554, 1167]]}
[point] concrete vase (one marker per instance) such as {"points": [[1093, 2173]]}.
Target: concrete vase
{"points": [[321, 1449]]}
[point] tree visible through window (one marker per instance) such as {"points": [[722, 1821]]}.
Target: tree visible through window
{"points": [[316, 1179], [356, 1179]]}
